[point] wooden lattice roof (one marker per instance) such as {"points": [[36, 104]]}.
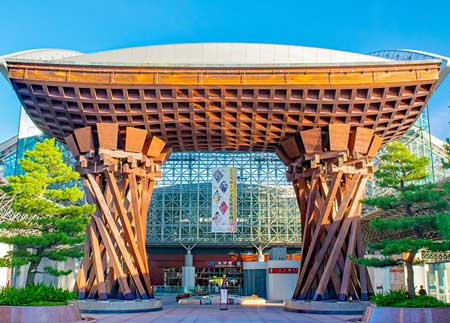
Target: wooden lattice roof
{"points": [[224, 108]]}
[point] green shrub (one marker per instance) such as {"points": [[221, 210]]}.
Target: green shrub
{"points": [[389, 298], [400, 298], [35, 295], [423, 301]]}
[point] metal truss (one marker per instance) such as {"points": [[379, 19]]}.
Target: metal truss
{"points": [[418, 140], [9, 167], [431, 257], [7, 214], [180, 211]]}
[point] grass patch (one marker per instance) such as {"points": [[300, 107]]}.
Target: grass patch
{"points": [[400, 298], [35, 295]]}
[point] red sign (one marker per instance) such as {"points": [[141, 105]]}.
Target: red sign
{"points": [[396, 270], [283, 270]]}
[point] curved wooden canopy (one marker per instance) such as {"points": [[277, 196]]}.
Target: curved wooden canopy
{"points": [[224, 108]]}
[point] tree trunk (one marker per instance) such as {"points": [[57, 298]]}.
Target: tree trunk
{"points": [[31, 273], [408, 209], [410, 273]]}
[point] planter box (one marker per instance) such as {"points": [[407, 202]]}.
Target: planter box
{"points": [[115, 306], [376, 314], [41, 314], [326, 307]]}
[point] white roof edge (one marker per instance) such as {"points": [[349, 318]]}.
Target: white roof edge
{"points": [[426, 53], [40, 54], [437, 141], [27, 127], [443, 73], [217, 53], [212, 54]]}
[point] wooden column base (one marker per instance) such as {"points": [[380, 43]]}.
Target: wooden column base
{"points": [[119, 169], [331, 235], [329, 169]]}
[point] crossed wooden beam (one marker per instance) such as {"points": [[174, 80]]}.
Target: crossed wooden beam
{"points": [[119, 169], [329, 168]]}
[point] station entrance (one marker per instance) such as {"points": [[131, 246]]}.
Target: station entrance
{"points": [[324, 118]]}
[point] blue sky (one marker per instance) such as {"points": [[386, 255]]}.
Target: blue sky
{"points": [[359, 26]]}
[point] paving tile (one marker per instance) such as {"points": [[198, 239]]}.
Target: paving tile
{"points": [[175, 313]]}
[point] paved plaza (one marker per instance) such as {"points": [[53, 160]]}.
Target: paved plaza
{"points": [[174, 312]]}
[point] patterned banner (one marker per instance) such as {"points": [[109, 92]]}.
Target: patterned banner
{"points": [[224, 200]]}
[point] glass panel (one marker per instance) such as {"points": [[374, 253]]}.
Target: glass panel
{"points": [[180, 210]]}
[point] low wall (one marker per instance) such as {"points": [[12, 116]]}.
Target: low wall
{"points": [[5, 273], [19, 275], [40, 314], [375, 314], [281, 279]]}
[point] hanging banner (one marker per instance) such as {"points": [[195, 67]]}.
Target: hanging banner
{"points": [[224, 199]]}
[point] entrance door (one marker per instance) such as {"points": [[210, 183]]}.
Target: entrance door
{"points": [[260, 284], [255, 282]]}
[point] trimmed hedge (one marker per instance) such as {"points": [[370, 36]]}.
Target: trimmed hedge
{"points": [[399, 298], [35, 295]]}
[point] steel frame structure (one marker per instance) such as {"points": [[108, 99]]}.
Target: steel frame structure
{"points": [[181, 205]]}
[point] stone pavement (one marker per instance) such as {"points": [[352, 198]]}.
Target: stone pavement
{"points": [[175, 313]]}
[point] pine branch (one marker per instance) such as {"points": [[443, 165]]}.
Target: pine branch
{"points": [[56, 272], [63, 254], [403, 223], [376, 262], [409, 245]]}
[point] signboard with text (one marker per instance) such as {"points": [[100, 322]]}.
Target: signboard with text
{"points": [[223, 203], [397, 278], [283, 270]]}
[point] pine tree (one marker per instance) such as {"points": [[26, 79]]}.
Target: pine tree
{"points": [[398, 168], [48, 194]]}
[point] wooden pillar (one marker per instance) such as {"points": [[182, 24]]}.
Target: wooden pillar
{"points": [[329, 169], [119, 169]]}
